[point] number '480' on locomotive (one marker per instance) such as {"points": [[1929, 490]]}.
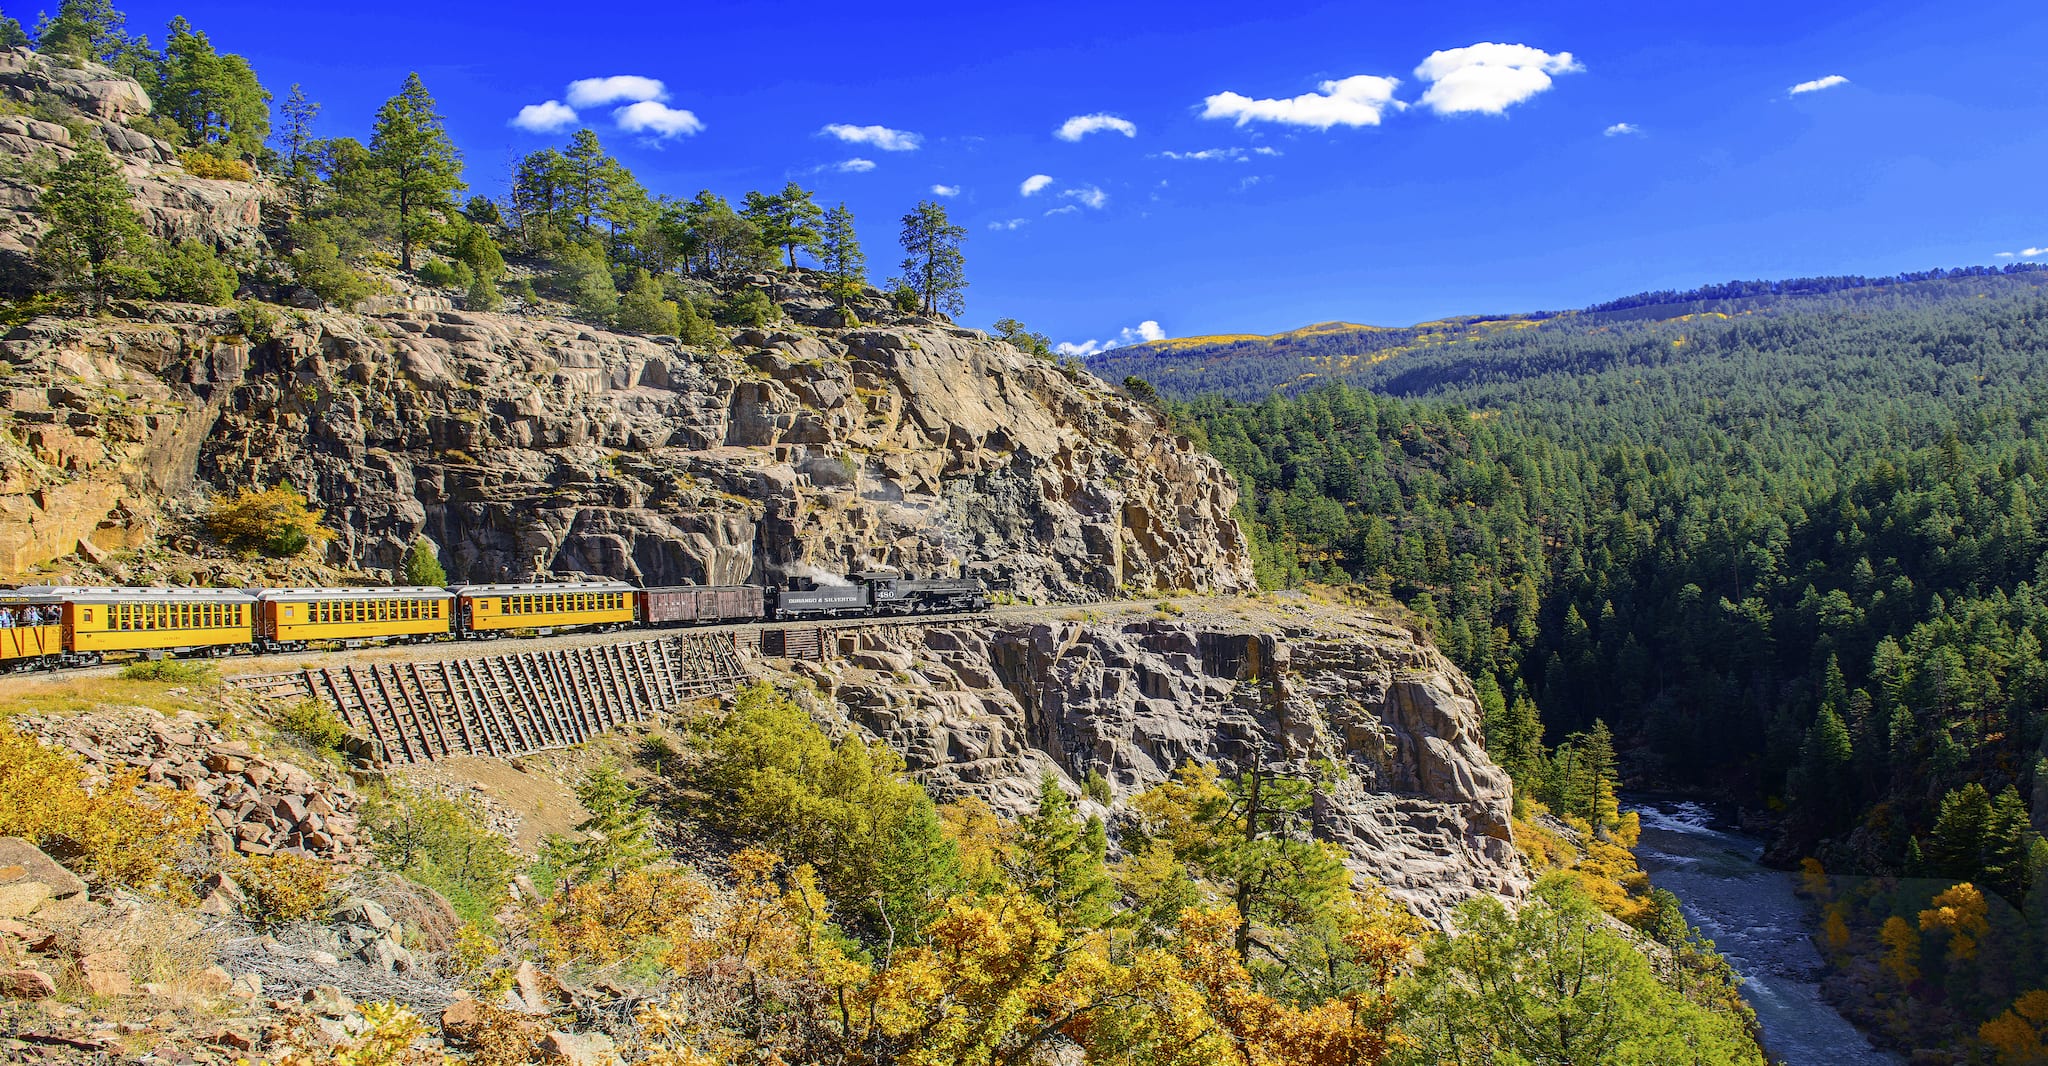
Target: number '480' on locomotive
{"points": [[45, 626]]}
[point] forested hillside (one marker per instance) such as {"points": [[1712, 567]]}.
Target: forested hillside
{"points": [[1247, 367], [1792, 557]]}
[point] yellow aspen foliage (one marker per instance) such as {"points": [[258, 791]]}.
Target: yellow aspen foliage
{"points": [[2016, 1035], [1960, 912], [977, 833], [1813, 879], [1834, 930], [1354, 1029], [276, 521], [1902, 949], [607, 919]]}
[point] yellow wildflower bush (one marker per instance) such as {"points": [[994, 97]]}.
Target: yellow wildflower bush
{"points": [[124, 832], [285, 888]]}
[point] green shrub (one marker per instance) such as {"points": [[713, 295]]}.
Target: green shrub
{"points": [[170, 671], [422, 566], [191, 272], [443, 844], [311, 721], [582, 278], [319, 267], [770, 776], [906, 300], [643, 309], [1097, 788], [257, 322], [749, 307], [443, 274]]}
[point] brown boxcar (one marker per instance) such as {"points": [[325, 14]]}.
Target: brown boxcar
{"points": [[698, 605]]}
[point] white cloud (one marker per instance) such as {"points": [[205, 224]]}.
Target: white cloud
{"points": [[1081, 126], [550, 117], [1205, 154], [1035, 184], [659, 119], [945, 190], [2032, 252], [881, 137], [596, 92], [1358, 100], [1009, 223], [1147, 330], [856, 165], [1817, 85], [1621, 129], [2001, 255], [1069, 209], [1089, 195], [1488, 77]]}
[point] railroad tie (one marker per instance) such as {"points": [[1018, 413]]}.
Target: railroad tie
{"points": [[554, 669], [445, 707]]}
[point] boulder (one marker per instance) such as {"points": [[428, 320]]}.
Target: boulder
{"points": [[26, 984], [21, 861], [579, 1049]]}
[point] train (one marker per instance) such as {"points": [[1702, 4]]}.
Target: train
{"points": [[50, 626]]}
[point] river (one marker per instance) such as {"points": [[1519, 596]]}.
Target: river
{"points": [[1754, 918]]}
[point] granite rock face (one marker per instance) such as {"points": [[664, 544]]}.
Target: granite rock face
{"points": [[521, 444], [979, 710]]}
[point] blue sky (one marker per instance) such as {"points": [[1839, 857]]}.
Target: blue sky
{"points": [[1266, 166]]}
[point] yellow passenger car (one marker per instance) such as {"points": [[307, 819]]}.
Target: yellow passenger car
{"points": [[151, 621], [293, 618], [31, 631], [488, 609]]}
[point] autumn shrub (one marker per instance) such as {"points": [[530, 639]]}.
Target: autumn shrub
{"points": [[122, 832], [285, 888], [610, 919], [275, 521], [171, 671], [203, 165], [385, 1038]]}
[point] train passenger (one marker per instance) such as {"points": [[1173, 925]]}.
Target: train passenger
{"points": [[6, 618]]}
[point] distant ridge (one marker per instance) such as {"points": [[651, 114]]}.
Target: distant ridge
{"points": [[1248, 365]]}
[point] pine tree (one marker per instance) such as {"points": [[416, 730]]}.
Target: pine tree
{"points": [[787, 220], [846, 266], [618, 836], [214, 98], [296, 137], [95, 242], [1059, 859], [587, 175], [932, 262], [1955, 849], [419, 169], [83, 29], [422, 566]]}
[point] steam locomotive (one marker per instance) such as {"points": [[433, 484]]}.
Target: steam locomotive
{"points": [[47, 626]]}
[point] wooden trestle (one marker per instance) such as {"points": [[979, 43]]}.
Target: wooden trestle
{"points": [[508, 705]]}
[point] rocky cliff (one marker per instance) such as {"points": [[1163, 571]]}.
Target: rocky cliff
{"points": [[1285, 683], [520, 443]]}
